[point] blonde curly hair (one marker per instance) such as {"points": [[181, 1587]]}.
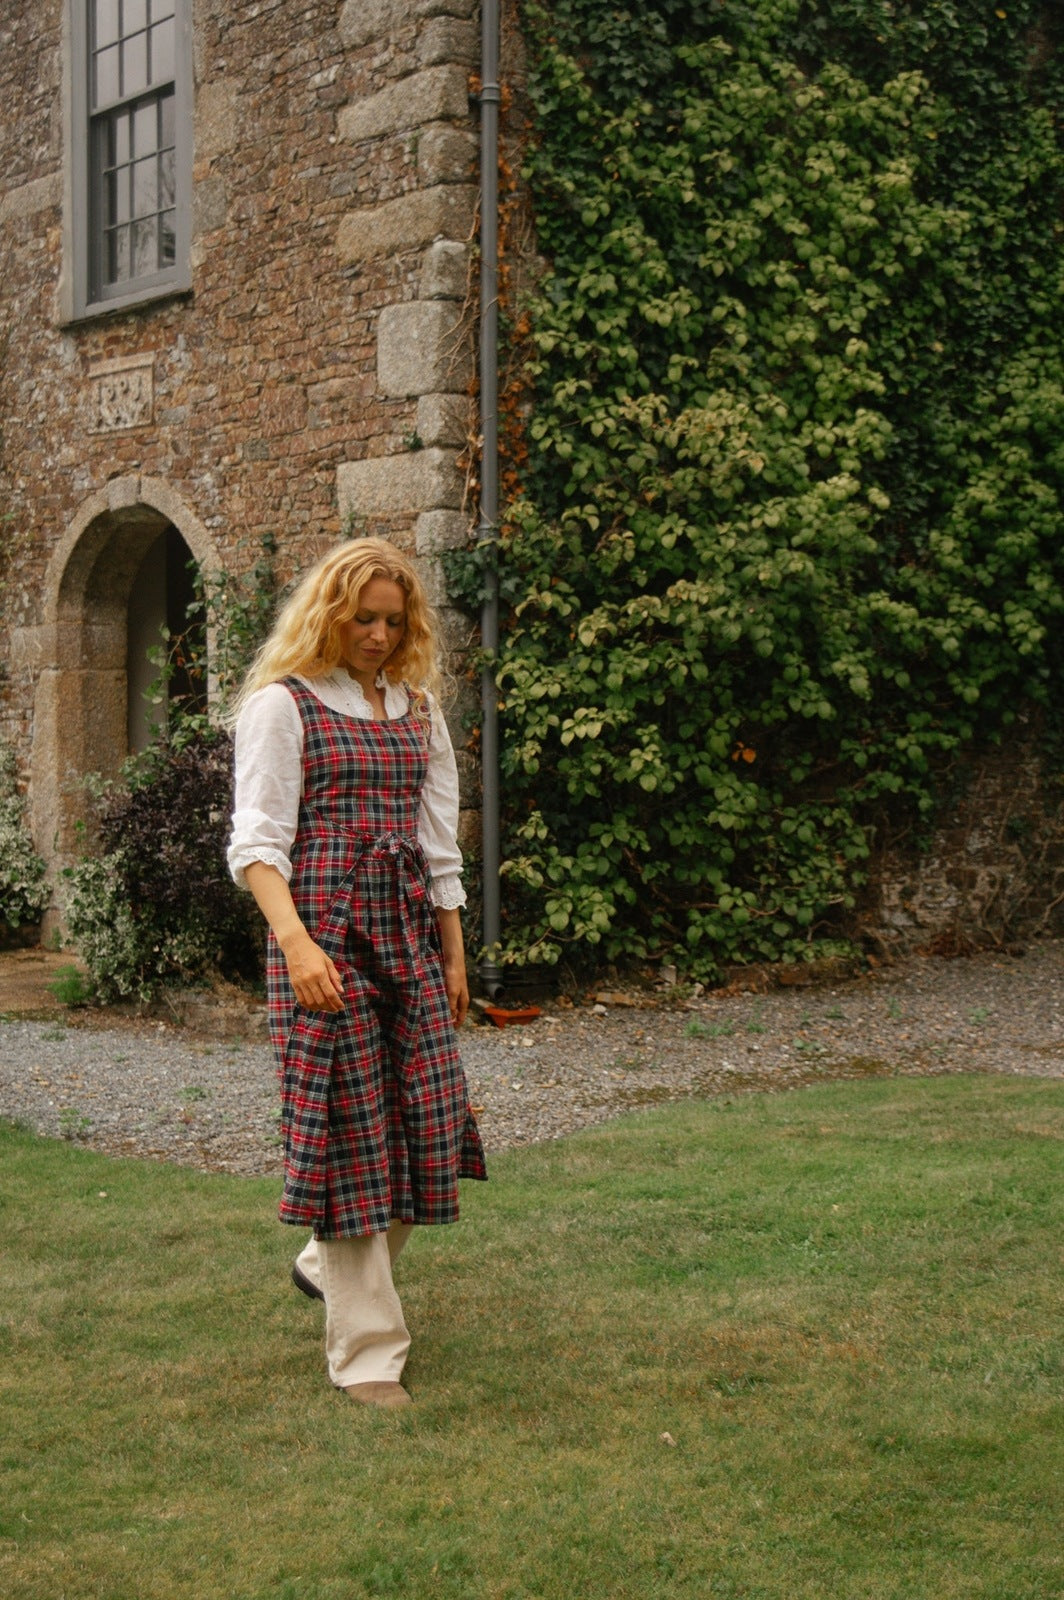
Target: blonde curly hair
{"points": [[305, 640]]}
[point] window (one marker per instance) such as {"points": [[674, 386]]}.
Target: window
{"points": [[131, 123]]}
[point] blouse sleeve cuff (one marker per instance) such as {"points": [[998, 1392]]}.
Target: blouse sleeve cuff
{"points": [[240, 860], [448, 893]]}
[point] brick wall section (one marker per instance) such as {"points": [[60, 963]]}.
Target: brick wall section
{"points": [[334, 199], [992, 869]]}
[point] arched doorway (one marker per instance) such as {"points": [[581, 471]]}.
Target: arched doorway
{"points": [[119, 575], [162, 605]]}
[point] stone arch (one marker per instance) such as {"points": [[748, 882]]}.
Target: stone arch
{"points": [[81, 709]]}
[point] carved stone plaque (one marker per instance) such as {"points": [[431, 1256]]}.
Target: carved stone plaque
{"points": [[122, 393]]}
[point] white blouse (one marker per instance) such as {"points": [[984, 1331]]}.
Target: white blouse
{"points": [[269, 780]]}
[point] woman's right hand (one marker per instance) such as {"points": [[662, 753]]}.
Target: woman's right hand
{"points": [[314, 977], [316, 981]]}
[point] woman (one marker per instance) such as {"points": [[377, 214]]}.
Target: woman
{"points": [[344, 827]]}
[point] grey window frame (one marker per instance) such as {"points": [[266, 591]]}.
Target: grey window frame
{"points": [[86, 295]]}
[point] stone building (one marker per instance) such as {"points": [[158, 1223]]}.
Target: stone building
{"points": [[235, 247], [236, 250]]}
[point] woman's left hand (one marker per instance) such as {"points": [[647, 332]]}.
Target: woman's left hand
{"points": [[454, 968], [457, 992]]}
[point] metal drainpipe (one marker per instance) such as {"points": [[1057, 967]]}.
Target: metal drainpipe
{"points": [[488, 530]]}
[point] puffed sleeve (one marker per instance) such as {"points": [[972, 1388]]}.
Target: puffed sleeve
{"points": [[438, 819], [268, 782]]}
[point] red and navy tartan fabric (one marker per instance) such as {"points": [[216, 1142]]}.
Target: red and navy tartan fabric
{"points": [[374, 1103]]}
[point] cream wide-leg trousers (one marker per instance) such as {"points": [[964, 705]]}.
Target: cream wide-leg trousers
{"points": [[366, 1338]]}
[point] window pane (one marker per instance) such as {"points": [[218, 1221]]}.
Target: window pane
{"points": [[145, 187], [117, 255], [161, 9], [134, 17], [116, 195], [105, 87], [135, 64], [167, 180], [146, 128], [162, 52], [104, 22], [167, 238], [145, 251], [167, 131], [119, 141]]}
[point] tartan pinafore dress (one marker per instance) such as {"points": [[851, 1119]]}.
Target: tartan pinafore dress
{"points": [[374, 1104]]}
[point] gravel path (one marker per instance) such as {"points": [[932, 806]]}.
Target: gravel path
{"points": [[179, 1094]]}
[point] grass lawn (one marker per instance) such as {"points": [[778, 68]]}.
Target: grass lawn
{"points": [[799, 1347]]}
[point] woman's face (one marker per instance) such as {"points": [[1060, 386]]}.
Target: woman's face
{"points": [[375, 630]]}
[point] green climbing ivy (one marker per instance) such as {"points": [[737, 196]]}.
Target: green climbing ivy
{"points": [[791, 526]]}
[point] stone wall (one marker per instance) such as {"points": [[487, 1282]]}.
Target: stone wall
{"points": [[317, 378], [988, 870]]}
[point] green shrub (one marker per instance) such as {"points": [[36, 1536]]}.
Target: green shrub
{"points": [[791, 528], [70, 986], [23, 891], [157, 907]]}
